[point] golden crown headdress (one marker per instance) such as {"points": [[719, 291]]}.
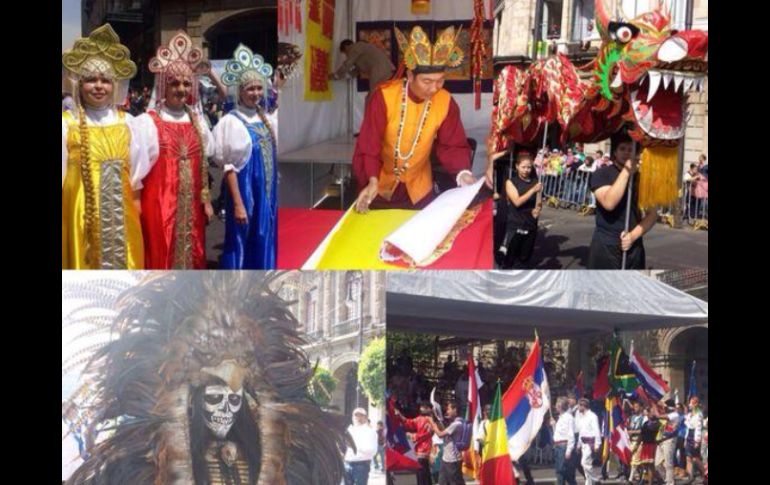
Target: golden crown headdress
{"points": [[420, 55], [100, 53]]}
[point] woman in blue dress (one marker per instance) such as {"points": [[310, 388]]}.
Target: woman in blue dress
{"points": [[246, 148]]}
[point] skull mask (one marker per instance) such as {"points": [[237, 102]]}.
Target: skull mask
{"points": [[220, 406]]}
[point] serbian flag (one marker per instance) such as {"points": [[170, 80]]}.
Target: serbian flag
{"points": [[496, 467], [602, 383], [616, 436], [526, 402], [651, 381], [399, 452], [473, 415]]}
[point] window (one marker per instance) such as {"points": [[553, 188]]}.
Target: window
{"points": [[310, 311], [583, 24], [678, 8], [551, 20], [354, 284]]}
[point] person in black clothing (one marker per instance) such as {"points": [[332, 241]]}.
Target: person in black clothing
{"points": [[523, 211], [609, 184]]}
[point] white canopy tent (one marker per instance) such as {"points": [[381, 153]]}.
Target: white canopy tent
{"points": [[513, 304]]}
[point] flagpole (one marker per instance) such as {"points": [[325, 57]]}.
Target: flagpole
{"points": [[539, 199], [628, 204]]}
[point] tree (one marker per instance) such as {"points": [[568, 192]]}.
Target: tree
{"points": [[371, 370], [321, 386]]}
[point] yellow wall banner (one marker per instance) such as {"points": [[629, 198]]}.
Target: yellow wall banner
{"points": [[318, 49]]}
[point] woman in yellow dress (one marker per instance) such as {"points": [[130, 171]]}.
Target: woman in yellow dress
{"points": [[103, 159]]}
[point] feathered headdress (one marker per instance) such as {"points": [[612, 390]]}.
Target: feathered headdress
{"points": [[171, 333]]}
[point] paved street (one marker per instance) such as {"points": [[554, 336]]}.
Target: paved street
{"points": [[565, 236]]}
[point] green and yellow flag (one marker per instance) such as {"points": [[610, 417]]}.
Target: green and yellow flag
{"points": [[496, 467]]}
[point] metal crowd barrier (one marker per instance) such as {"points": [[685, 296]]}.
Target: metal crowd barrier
{"points": [[567, 191], [571, 191], [694, 211]]}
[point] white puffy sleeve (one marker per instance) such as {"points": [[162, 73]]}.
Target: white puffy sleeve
{"points": [[64, 153], [208, 139], [232, 144], [144, 147]]}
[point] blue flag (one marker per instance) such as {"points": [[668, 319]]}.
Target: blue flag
{"points": [[693, 386]]}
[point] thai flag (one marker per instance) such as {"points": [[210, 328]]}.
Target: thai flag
{"points": [[526, 402], [399, 453], [650, 380]]}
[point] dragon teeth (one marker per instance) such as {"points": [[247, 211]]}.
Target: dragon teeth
{"points": [[667, 80], [677, 82], [654, 77]]}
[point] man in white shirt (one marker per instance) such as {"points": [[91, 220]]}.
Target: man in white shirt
{"points": [[358, 462], [589, 434], [667, 446], [564, 444]]}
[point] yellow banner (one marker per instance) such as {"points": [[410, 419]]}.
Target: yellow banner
{"points": [[356, 244], [318, 49]]}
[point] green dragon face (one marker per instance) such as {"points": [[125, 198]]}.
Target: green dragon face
{"points": [[652, 66]]}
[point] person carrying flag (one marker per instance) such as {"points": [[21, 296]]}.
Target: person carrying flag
{"points": [[668, 442], [648, 437], [422, 427], [564, 444], [634, 427], [692, 442], [451, 460]]}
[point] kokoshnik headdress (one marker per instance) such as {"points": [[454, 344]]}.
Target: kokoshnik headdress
{"points": [[173, 333], [422, 57], [246, 67], [178, 59], [101, 53]]}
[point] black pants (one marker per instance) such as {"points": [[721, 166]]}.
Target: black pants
{"points": [[423, 474], [451, 473], [603, 256], [520, 247], [498, 229]]}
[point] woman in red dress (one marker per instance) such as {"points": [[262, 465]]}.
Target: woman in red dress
{"points": [[176, 205]]}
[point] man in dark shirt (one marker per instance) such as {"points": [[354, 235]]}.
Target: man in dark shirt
{"points": [[610, 186]]}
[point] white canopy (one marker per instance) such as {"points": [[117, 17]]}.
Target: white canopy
{"points": [[513, 304]]}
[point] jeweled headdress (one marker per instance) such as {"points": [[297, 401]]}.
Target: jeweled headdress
{"points": [[246, 67], [178, 59], [421, 56], [99, 53]]}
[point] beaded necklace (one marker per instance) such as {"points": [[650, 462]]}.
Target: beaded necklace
{"points": [[398, 155]]}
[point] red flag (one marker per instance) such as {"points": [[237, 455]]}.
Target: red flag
{"points": [[470, 458], [396, 461], [602, 383]]}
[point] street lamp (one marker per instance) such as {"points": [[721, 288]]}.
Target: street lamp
{"points": [[356, 289]]}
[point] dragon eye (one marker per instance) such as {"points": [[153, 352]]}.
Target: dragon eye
{"points": [[624, 34]]}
